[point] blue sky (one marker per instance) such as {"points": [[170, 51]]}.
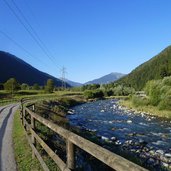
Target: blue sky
{"points": [[90, 38]]}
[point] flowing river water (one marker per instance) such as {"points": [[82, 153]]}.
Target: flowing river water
{"points": [[145, 137]]}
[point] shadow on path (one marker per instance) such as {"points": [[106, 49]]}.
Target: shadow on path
{"points": [[2, 132], [3, 109]]}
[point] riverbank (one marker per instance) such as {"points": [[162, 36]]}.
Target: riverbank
{"points": [[149, 110]]}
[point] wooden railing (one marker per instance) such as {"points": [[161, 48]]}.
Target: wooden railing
{"points": [[111, 159]]}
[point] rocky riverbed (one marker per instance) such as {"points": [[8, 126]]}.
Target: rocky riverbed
{"points": [[136, 134]]}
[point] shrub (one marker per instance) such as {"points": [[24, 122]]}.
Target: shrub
{"points": [[93, 94], [139, 101], [165, 103], [88, 94]]}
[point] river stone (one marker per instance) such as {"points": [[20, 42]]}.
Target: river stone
{"points": [[152, 152], [160, 152], [105, 138], [118, 142], [70, 112], [168, 155], [113, 138], [165, 164], [129, 121]]}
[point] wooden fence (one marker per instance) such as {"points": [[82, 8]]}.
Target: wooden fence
{"points": [[113, 160]]}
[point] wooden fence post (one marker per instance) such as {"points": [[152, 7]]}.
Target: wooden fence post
{"points": [[21, 112], [24, 117], [70, 155], [33, 127]]}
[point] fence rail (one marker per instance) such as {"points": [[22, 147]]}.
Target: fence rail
{"points": [[113, 160]]}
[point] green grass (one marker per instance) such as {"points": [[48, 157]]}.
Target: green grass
{"points": [[22, 150], [148, 109]]}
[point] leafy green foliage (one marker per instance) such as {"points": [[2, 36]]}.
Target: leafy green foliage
{"points": [[24, 86], [156, 68], [137, 101], [90, 87], [36, 86], [92, 94], [11, 85], [158, 92], [49, 86]]}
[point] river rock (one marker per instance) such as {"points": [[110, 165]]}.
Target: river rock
{"points": [[118, 142], [104, 138], [161, 152], [168, 155], [113, 138], [70, 112], [152, 152], [165, 164], [129, 121]]}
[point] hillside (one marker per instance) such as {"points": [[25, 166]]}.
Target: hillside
{"points": [[73, 84], [106, 79], [156, 68], [11, 66]]}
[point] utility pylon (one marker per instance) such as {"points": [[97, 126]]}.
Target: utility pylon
{"points": [[63, 74]]}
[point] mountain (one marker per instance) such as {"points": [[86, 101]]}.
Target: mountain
{"points": [[107, 78], [73, 84], [156, 68], [12, 66]]}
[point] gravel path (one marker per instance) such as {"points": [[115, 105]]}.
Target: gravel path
{"points": [[7, 160]]}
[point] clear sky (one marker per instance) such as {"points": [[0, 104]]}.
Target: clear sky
{"points": [[90, 38]]}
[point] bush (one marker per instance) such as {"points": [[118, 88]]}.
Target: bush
{"points": [[88, 94], [165, 103], [139, 101], [98, 94], [109, 93], [93, 94]]}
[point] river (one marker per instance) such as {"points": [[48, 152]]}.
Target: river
{"points": [[140, 135]]}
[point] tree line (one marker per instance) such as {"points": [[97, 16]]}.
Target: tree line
{"points": [[12, 86]]}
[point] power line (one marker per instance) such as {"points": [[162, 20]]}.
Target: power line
{"points": [[20, 46], [34, 32], [30, 33]]}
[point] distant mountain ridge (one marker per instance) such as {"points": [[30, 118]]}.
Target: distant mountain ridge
{"points": [[12, 66], [73, 83], [107, 78], [156, 68]]}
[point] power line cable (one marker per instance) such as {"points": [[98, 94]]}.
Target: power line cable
{"points": [[20, 46], [30, 33], [34, 32]]}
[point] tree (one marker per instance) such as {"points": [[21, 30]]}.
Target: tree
{"points": [[49, 86], [24, 86], [152, 89], [36, 86], [11, 85]]}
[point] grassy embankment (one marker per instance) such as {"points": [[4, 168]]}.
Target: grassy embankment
{"points": [[23, 152], [151, 110], [7, 98]]}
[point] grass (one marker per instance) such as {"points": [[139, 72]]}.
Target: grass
{"points": [[23, 152], [148, 109]]}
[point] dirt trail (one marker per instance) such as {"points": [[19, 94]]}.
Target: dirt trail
{"points": [[7, 160]]}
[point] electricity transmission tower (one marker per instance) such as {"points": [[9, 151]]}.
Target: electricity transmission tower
{"points": [[63, 74]]}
